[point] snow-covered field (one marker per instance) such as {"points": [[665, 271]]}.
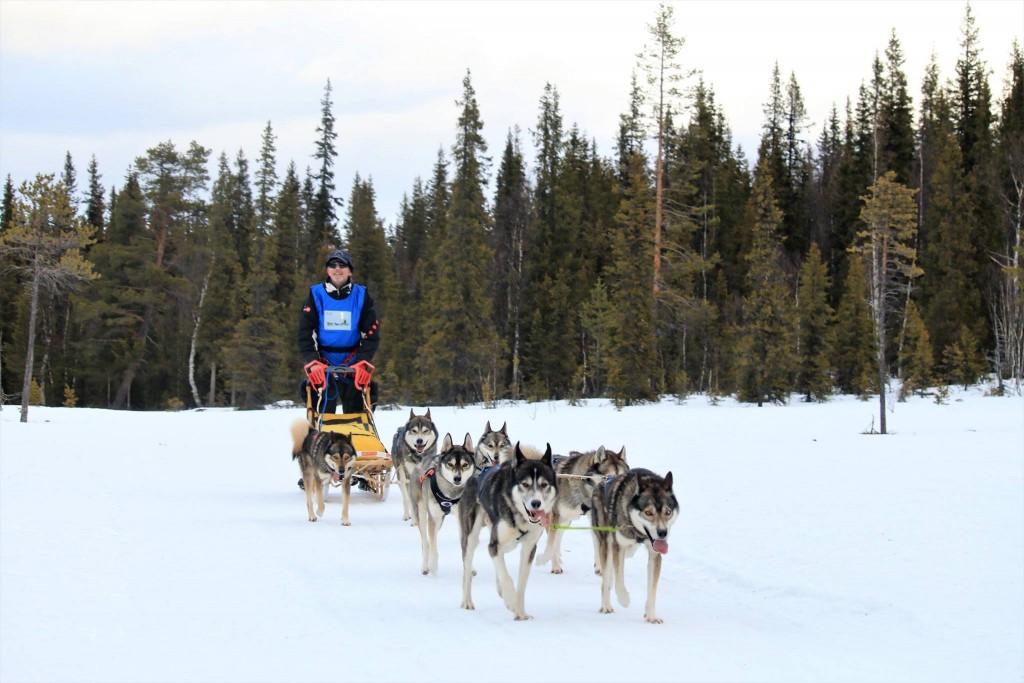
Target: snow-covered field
{"points": [[175, 547]]}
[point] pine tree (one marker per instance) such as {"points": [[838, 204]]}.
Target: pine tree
{"points": [[266, 182], [512, 210], [95, 206], [854, 356], [44, 242], [69, 178], [323, 208], [916, 362], [766, 353], [896, 117], [462, 347], [887, 246], [816, 337]]}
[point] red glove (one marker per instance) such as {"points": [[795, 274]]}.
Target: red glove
{"points": [[363, 372], [315, 371]]}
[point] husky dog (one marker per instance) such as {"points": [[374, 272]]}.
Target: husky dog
{"points": [[494, 447], [324, 457], [579, 475], [414, 441], [442, 479], [635, 508], [515, 499]]}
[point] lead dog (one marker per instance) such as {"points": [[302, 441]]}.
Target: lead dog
{"points": [[579, 475], [324, 457], [437, 491], [633, 509], [414, 441], [515, 499]]}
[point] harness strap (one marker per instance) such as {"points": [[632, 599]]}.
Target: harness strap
{"points": [[444, 501]]}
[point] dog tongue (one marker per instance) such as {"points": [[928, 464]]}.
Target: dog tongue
{"points": [[542, 517], [661, 547], [335, 477]]}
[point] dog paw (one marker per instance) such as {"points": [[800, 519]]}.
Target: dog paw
{"points": [[623, 598], [345, 522], [606, 610], [424, 571], [312, 519], [556, 570], [653, 620], [467, 604], [523, 617]]}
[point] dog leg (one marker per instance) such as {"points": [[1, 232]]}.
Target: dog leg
{"points": [[434, 526], [469, 544], [307, 483], [556, 552], [506, 590], [653, 572], [319, 498], [607, 574], [424, 522], [406, 496], [346, 493], [619, 571], [526, 554]]}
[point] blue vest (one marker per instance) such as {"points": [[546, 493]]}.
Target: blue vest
{"points": [[338, 333]]}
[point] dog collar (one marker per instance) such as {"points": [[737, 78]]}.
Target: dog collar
{"points": [[444, 501]]}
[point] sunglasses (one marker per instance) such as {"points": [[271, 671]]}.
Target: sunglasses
{"points": [[337, 264]]}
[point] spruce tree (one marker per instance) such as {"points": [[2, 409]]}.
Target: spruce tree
{"points": [[462, 347], [95, 209], [916, 361], [766, 350], [854, 355], [816, 337], [324, 204]]}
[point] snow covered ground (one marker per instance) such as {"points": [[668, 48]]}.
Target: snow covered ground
{"points": [[175, 547]]}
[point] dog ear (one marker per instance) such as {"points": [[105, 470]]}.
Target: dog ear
{"points": [[668, 481], [520, 458], [428, 414], [467, 443], [601, 454], [503, 429], [488, 427], [547, 455], [622, 453], [446, 445], [412, 413]]}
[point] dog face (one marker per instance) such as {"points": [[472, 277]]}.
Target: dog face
{"points": [[420, 432], [535, 486], [609, 463], [456, 463], [340, 455], [654, 511], [493, 447]]}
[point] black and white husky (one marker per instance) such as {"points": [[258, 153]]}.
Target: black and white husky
{"points": [[414, 441], [324, 458], [515, 499], [633, 509], [579, 475], [437, 491]]}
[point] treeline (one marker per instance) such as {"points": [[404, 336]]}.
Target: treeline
{"points": [[889, 247]]}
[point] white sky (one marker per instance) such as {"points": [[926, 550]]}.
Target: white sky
{"points": [[118, 77]]}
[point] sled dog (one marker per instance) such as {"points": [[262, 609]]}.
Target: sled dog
{"points": [[324, 458], [641, 508], [494, 447], [578, 475], [437, 491], [515, 499], [414, 441]]}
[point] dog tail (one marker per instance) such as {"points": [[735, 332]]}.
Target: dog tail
{"points": [[300, 428]]}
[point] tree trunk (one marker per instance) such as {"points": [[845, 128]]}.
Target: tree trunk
{"points": [[30, 351], [123, 395], [195, 335]]}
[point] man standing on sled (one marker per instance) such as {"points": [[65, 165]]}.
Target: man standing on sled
{"points": [[338, 326]]}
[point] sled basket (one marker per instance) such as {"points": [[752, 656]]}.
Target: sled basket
{"points": [[373, 462]]}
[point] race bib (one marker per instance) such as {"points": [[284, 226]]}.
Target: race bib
{"points": [[338, 320]]}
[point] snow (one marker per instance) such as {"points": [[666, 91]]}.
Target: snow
{"points": [[175, 547]]}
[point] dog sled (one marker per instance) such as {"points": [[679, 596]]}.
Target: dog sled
{"points": [[373, 462]]}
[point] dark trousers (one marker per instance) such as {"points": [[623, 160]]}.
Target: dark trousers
{"points": [[339, 389]]}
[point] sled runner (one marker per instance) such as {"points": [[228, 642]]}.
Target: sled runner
{"points": [[373, 462]]}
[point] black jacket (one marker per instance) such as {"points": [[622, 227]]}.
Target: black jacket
{"points": [[309, 323]]}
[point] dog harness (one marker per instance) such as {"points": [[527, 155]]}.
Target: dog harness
{"points": [[444, 501]]}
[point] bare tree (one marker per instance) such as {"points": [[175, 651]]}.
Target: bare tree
{"points": [[44, 243], [889, 215]]}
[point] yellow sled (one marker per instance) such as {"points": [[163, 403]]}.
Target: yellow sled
{"points": [[373, 462]]}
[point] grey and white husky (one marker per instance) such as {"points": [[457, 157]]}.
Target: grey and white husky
{"points": [[414, 441], [494, 446], [437, 491], [633, 509], [515, 499], [579, 475], [324, 458]]}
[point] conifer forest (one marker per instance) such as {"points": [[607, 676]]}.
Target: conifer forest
{"points": [[882, 256]]}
